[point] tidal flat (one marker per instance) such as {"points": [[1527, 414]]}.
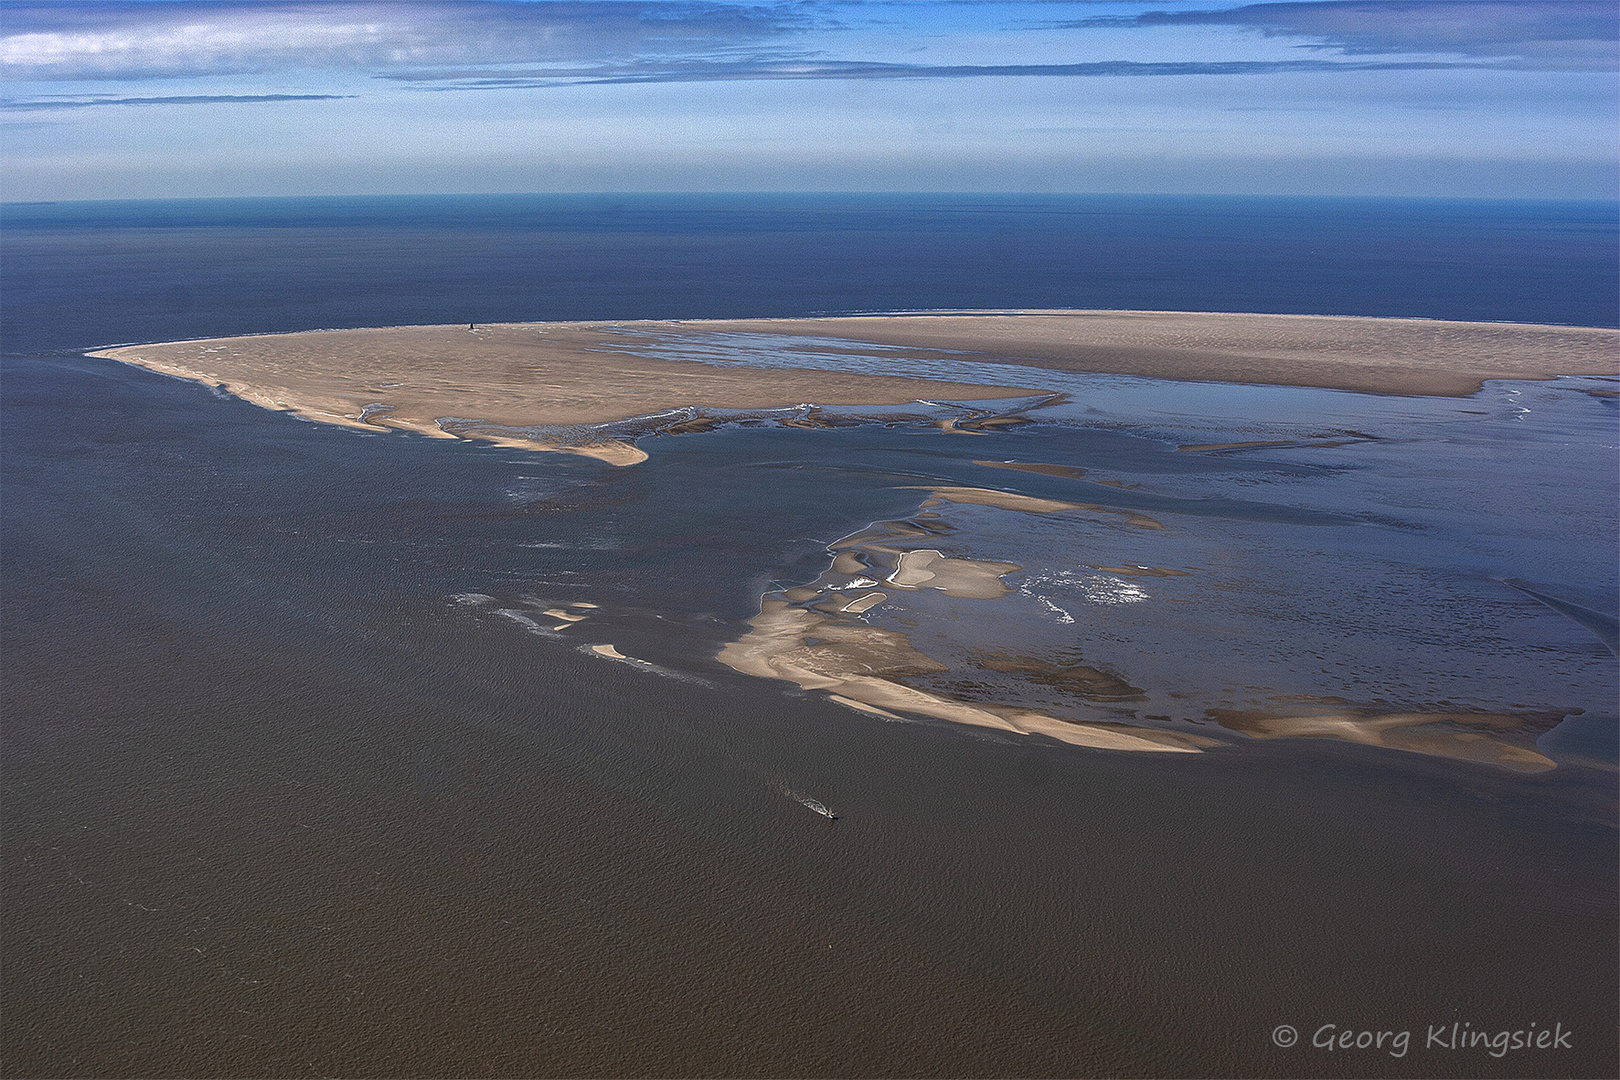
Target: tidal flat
{"points": [[1364, 627]]}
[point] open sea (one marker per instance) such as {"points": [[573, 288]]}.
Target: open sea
{"points": [[298, 780]]}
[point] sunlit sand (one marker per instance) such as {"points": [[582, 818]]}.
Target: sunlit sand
{"points": [[491, 382], [862, 666], [971, 578]]}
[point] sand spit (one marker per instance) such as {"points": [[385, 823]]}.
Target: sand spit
{"points": [[813, 635], [1375, 356], [860, 706], [613, 451], [816, 636], [1069, 472], [1029, 504], [1073, 472], [569, 618], [865, 603], [1252, 445], [1002, 500], [1492, 738], [860, 664], [493, 382]]}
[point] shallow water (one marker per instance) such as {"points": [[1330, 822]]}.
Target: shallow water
{"points": [[1367, 558]]}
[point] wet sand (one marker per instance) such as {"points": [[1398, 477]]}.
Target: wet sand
{"points": [[1029, 504], [1070, 471], [1376, 356], [1498, 739], [812, 635], [862, 665]]}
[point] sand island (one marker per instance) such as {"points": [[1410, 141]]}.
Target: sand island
{"points": [[543, 386]]}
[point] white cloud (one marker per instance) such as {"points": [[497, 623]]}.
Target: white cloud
{"points": [[169, 39]]}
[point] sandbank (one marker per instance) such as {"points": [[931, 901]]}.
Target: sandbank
{"points": [[861, 664], [975, 579], [1336, 352], [1072, 472], [491, 382], [1501, 739], [811, 635], [1029, 504]]}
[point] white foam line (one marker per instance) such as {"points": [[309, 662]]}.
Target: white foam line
{"points": [[528, 624], [1062, 616]]}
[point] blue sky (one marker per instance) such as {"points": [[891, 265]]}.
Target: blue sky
{"points": [[115, 100]]}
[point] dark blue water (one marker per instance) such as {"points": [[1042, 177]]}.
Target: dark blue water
{"points": [[77, 275]]}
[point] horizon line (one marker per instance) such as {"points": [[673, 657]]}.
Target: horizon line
{"points": [[820, 193]]}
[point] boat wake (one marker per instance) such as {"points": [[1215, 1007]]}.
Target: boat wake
{"points": [[808, 803]]}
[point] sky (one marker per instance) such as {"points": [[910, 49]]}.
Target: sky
{"points": [[1342, 97]]}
